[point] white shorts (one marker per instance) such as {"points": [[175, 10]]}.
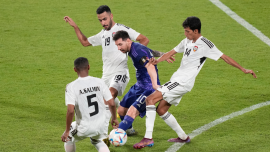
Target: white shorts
{"points": [[118, 80], [172, 92], [75, 135]]}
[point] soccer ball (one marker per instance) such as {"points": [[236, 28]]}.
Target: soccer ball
{"points": [[118, 137]]}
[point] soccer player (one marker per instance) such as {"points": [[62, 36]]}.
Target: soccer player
{"points": [[146, 74], [196, 49], [115, 68], [87, 95]]}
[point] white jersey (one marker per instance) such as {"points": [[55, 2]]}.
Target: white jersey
{"points": [[113, 59], [87, 95], [193, 59]]}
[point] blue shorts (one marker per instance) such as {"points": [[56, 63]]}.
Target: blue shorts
{"points": [[136, 96]]}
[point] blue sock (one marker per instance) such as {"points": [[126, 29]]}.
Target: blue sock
{"points": [[126, 123], [122, 118]]}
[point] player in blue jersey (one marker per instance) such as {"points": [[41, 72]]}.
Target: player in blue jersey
{"points": [[133, 105]]}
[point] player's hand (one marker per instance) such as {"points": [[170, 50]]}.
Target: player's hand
{"points": [[246, 71], [64, 137], [153, 61], [171, 59], [70, 21], [115, 123]]}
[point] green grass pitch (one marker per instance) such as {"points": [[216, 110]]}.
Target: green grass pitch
{"points": [[37, 50]]}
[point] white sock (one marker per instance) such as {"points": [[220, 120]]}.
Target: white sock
{"points": [[108, 117], [117, 102], [69, 146], [101, 146], [171, 121], [150, 121]]}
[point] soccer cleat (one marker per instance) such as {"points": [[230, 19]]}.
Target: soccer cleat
{"points": [[145, 142], [107, 141], [179, 140], [131, 132]]}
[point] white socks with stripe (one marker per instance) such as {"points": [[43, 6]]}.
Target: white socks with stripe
{"points": [[171, 121], [150, 120]]}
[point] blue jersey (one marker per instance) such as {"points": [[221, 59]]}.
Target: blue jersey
{"points": [[140, 55]]}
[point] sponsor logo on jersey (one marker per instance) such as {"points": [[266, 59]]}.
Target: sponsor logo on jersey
{"points": [[103, 36], [195, 48]]}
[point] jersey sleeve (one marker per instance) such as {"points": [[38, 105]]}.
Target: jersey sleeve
{"points": [[180, 47], [212, 53], [69, 95], [132, 33], [96, 39], [106, 92]]}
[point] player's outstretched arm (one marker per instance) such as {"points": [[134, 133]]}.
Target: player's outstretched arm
{"points": [[143, 39], [69, 118], [159, 54], [230, 61], [80, 35], [112, 107], [167, 56]]}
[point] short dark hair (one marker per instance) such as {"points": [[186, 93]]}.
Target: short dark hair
{"points": [[121, 34], [193, 23], [103, 8], [81, 63]]}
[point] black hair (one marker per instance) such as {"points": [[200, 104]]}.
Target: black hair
{"points": [[193, 23], [81, 63], [103, 8], [121, 34]]}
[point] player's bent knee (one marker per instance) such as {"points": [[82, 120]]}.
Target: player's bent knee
{"points": [[121, 111], [149, 101], [161, 111]]}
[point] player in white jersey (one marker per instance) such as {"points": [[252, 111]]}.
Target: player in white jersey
{"points": [[115, 69], [86, 95], [196, 49]]}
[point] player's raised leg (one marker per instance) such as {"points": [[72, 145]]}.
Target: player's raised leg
{"points": [[125, 104]]}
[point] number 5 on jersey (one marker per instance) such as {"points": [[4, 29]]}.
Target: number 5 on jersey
{"points": [[92, 102]]}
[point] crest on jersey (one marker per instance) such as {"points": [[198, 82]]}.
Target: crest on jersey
{"points": [[143, 60], [195, 48], [113, 34]]}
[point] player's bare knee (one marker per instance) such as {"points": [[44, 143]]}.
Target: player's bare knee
{"points": [[121, 111], [160, 111], [149, 101]]}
